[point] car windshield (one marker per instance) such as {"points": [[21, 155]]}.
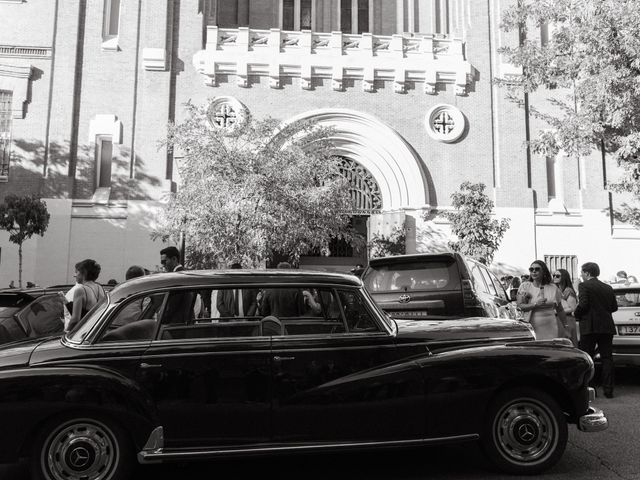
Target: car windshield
{"points": [[412, 276], [79, 333]]}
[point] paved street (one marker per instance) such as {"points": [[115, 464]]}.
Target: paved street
{"points": [[608, 455]]}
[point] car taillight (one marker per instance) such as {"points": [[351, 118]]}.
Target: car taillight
{"points": [[469, 294]]}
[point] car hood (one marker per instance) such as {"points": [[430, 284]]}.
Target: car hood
{"points": [[465, 330], [18, 354]]}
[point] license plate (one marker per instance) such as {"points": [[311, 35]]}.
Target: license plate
{"points": [[409, 313], [629, 329]]}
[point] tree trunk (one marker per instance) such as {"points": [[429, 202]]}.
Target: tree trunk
{"points": [[20, 265]]}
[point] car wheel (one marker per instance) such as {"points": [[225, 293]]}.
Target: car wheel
{"points": [[525, 431], [81, 448]]}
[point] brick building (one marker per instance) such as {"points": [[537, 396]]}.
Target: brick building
{"points": [[87, 88]]}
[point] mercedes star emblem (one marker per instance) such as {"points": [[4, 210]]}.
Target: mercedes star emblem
{"points": [[405, 298], [526, 433], [79, 457]]}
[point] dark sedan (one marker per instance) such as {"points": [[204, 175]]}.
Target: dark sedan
{"points": [[194, 365]]}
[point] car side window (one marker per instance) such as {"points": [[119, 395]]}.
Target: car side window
{"points": [[44, 316], [321, 314], [136, 320], [478, 280], [357, 316], [487, 279], [499, 288]]}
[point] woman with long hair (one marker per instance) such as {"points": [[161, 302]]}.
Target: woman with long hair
{"points": [[540, 300], [562, 279]]}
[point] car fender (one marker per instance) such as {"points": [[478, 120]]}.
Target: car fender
{"points": [[465, 380], [31, 396]]}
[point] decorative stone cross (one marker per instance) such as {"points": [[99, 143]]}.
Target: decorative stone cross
{"points": [[443, 123], [225, 116]]}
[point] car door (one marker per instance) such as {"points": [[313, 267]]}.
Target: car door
{"points": [[333, 385], [209, 379]]}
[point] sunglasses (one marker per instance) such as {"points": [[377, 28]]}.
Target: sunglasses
{"points": [[534, 269], [556, 275]]}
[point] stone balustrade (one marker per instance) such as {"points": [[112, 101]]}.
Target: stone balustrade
{"points": [[420, 58]]}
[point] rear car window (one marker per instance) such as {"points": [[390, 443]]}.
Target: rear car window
{"points": [[628, 297], [418, 275]]}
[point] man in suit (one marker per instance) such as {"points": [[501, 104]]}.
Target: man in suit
{"points": [[237, 302], [596, 303], [282, 302], [170, 259]]}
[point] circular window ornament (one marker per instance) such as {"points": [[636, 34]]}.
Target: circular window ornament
{"points": [[445, 123], [227, 114]]}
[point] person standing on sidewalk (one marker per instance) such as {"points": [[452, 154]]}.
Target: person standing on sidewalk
{"points": [[596, 303]]}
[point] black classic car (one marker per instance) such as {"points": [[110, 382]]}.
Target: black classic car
{"points": [[195, 365]]}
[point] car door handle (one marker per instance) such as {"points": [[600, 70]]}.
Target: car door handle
{"points": [[147, 366], [282, 359]]}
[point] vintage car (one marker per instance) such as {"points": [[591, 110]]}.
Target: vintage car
{"points": [[200, 364]]}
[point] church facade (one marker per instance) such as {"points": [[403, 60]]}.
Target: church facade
{"points": [[87, 89]]}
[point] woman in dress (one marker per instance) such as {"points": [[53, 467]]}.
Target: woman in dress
{"points": [[540, 300], [88, 293], [562, 279]]}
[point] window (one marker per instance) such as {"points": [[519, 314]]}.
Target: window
{"points": [[413, 276], [111, 19], [356, 314], [551, 177], [354, 16], [136, 320], [227, 14], [479, 282], [568, 262], [487, 279], [5, 132], [303, 20], [104, 156], [44, 316]]}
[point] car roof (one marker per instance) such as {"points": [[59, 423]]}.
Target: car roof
{"points": [[625, 286], [187, 278], [396, 259]]}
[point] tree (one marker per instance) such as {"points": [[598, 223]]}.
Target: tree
{"points": [[594, 52], [23, 217], [248, 193], [393, 244], [478, 234]]}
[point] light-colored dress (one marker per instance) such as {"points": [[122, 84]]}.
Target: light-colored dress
{"points": [[569, 303], [543, 318]]}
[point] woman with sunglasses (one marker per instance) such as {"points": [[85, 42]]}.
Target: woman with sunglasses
{"points": [[562, 279], [541, 301]]}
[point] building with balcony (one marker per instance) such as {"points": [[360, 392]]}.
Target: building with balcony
{"points": [[87, 89]]}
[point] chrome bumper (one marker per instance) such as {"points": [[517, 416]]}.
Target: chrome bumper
{"points": [[594, 420]]}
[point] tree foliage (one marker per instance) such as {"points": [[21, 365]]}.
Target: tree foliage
{"points": [[23, 217], [387, 245], [261, 189], [594, 51], [478, 234]]}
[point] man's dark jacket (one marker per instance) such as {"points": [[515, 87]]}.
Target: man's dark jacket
{"points": [[228, 307], [596, 303]]}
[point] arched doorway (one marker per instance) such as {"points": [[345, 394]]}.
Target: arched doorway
{"points": [[386, 175], [366, 200]]}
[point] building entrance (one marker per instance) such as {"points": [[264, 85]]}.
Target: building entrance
{"points": [[366, 200]]}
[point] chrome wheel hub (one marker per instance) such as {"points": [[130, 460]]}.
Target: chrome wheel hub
{"points": [[80, 450], [525, 431]]}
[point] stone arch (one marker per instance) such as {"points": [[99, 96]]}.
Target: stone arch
{"points": [[381, 150]]}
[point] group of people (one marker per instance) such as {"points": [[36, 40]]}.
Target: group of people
{"points": [[551, 306]]}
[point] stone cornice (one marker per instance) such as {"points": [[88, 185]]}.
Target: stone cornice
{"points": [[244, 52], [21, 51]]}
